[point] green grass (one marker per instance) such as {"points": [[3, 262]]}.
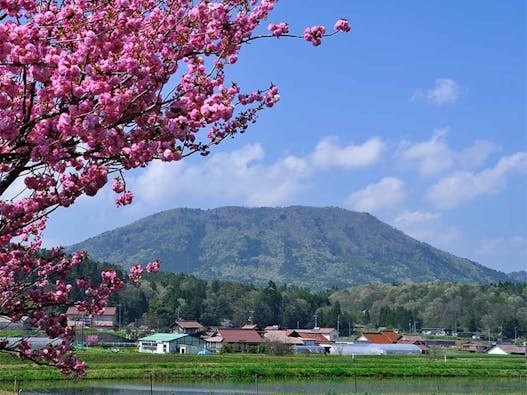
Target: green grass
{"points": [[129, 364]]}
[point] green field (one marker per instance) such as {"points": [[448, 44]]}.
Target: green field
{"points": [[129, 364]]}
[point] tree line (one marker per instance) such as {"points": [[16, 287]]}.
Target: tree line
{"points": [[160, 299]]}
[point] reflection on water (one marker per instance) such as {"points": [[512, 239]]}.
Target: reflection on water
{"points": [[441, 385]]}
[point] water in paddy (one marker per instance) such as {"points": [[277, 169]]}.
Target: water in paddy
{"points": [[410, 386]]}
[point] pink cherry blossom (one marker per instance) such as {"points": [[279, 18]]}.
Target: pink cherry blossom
{"points": [[278, 29], [342, 25], [89, 90], [314, 34], [153, 267]]}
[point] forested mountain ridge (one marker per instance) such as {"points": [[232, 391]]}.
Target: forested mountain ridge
{"points": [[315, 247]]}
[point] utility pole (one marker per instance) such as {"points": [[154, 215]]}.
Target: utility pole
{"points": [[316, 320], [338, 324]]}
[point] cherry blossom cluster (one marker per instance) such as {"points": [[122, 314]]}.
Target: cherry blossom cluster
{"points": [[90, 89], [278, 29]]}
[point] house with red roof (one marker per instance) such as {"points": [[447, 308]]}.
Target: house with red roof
{"points": [[240, 340], [316, 337], [330, 334], [383, 337]]}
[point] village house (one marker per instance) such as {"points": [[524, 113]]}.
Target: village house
{"points": [[507, 349], [383, 337], [434, 331], [415, 340], [285, 336], [440, 343], [238, 339], [316, 337], [105, 321], [175, 343], [300, 340], [250, 326], [187, 327], [472, 347], [330, 334]]}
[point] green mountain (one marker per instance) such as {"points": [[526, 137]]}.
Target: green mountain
{"points": [[315, 247]]}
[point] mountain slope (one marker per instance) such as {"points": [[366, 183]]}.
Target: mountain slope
{"points": [[317, 247]]}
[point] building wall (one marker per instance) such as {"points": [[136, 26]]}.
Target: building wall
{"points": [[157, 347]]}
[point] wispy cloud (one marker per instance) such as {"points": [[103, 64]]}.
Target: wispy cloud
{"points": [[445, 91], [434, 156], [427, 226], [330, 153], [463, 186], [388, 192], [412, 218]]}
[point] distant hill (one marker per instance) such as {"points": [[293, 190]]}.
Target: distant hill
{"points": [[518, 277], [315, 247]]}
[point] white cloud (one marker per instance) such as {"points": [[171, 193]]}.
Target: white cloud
{"points": [[434, 156], [477, 154], [445, 91], [426, 226], [388, 192], [239, 176], [462, 186], [329, 153], [411, 218], [243, 176]]}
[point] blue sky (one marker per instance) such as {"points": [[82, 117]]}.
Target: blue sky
{"points": [[417, 116]]}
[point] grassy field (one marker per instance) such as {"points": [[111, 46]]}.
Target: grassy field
{"points": [[129, 364]]}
